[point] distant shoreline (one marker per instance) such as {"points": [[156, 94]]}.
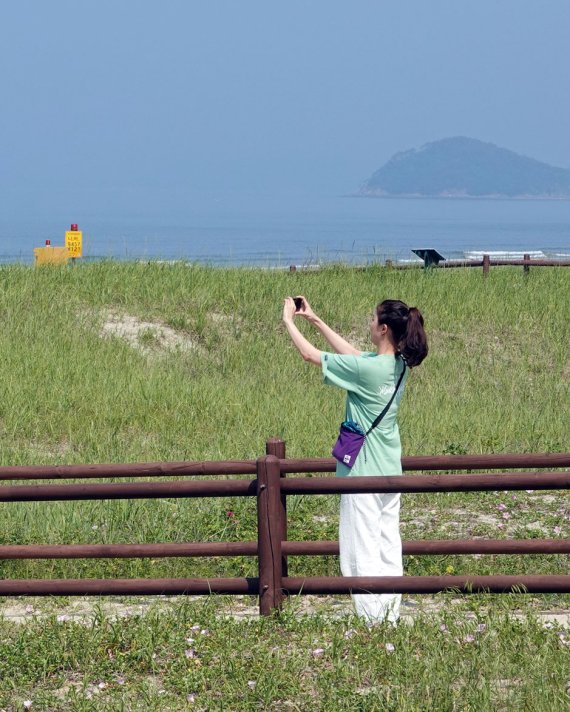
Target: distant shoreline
{"points": [[493, 197], [293, 265]]}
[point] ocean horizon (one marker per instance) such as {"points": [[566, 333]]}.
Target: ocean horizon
{"points": [[278, 231]]}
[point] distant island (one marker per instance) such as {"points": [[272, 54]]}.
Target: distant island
{"points": [[462, 167]]}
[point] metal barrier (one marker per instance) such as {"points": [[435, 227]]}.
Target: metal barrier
{"points": [[271, 487]]}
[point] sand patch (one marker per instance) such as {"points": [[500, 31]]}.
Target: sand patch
{"points": [[49, 450], [147, 337], [218, 318]]}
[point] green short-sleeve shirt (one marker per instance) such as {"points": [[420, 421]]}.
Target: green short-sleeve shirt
{"points": [[370, 380]]}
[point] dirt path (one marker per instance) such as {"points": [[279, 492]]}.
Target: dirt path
{"points": [[83, 609]]}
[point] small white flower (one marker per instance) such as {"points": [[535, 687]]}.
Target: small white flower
{"points": [[251, 684], [191, 698], [195, 627], [102, 685], [189, 641], [317, 652], [349, 633], [205, 632], [190, 653], [27, 704], [95, 527], [481, 628], [389, 648]]}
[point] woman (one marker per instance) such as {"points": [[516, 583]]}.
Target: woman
{"points": [[369, 528]]}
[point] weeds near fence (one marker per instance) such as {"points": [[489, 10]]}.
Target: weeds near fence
{"points": [[187, 656], [72, 394], [497, 380]]}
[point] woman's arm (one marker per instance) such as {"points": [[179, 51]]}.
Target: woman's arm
{"points": [[338, 344], [309, 352]]}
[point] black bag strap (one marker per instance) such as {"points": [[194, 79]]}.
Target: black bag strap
{"points": [[387, 406]]}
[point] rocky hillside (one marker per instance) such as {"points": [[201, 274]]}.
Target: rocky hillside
{"points": [[464, 167]]}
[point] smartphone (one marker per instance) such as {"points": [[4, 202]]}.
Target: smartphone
{"points": [[298, 303]]}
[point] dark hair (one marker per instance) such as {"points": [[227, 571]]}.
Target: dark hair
{"points": [[407, 326]]}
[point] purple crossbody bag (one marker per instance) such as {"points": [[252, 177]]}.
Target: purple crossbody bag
{"points": [[351, 436]]}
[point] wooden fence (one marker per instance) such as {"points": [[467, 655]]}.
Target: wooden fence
{"points": [[486, 263], [271, 486]]}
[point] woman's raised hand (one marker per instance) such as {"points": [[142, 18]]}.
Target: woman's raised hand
{"points": [[288, 309], [305, 310]]}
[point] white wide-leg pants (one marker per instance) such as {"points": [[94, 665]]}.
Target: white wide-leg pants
{"points": [[370, 545]]}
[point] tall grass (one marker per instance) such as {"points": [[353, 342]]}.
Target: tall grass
{"points": [[496, 380]]}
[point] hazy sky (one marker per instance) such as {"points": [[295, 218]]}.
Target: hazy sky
{"points": [[139, 104]]}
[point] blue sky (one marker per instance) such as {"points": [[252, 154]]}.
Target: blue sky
{"points": [[137, 105]]}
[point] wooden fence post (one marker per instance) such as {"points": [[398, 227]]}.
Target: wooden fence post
{"points": [[486, 265], [269, 533], [526, 267], [276, 446]]}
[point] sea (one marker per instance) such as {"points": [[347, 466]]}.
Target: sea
{"points": [[279, 231]]}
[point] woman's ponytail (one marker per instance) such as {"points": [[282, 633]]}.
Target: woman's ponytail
{"points": [[407, 326], [413, 346]]}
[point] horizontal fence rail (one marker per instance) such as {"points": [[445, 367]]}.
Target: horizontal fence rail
{"points": [[486, 263], [428, 584], [530, 263], [440, 462], [427, 483], [135, 490], [127, 551], [147, 469], [271, 487], [292, 548], [129, 587], [442, 547], [292, 585], [287, 465]]}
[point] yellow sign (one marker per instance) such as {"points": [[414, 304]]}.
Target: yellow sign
{"points": [[51, 255], [74, 242]]}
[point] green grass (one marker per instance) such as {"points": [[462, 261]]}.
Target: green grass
{"points": [[496, 380], [190, 657]]}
